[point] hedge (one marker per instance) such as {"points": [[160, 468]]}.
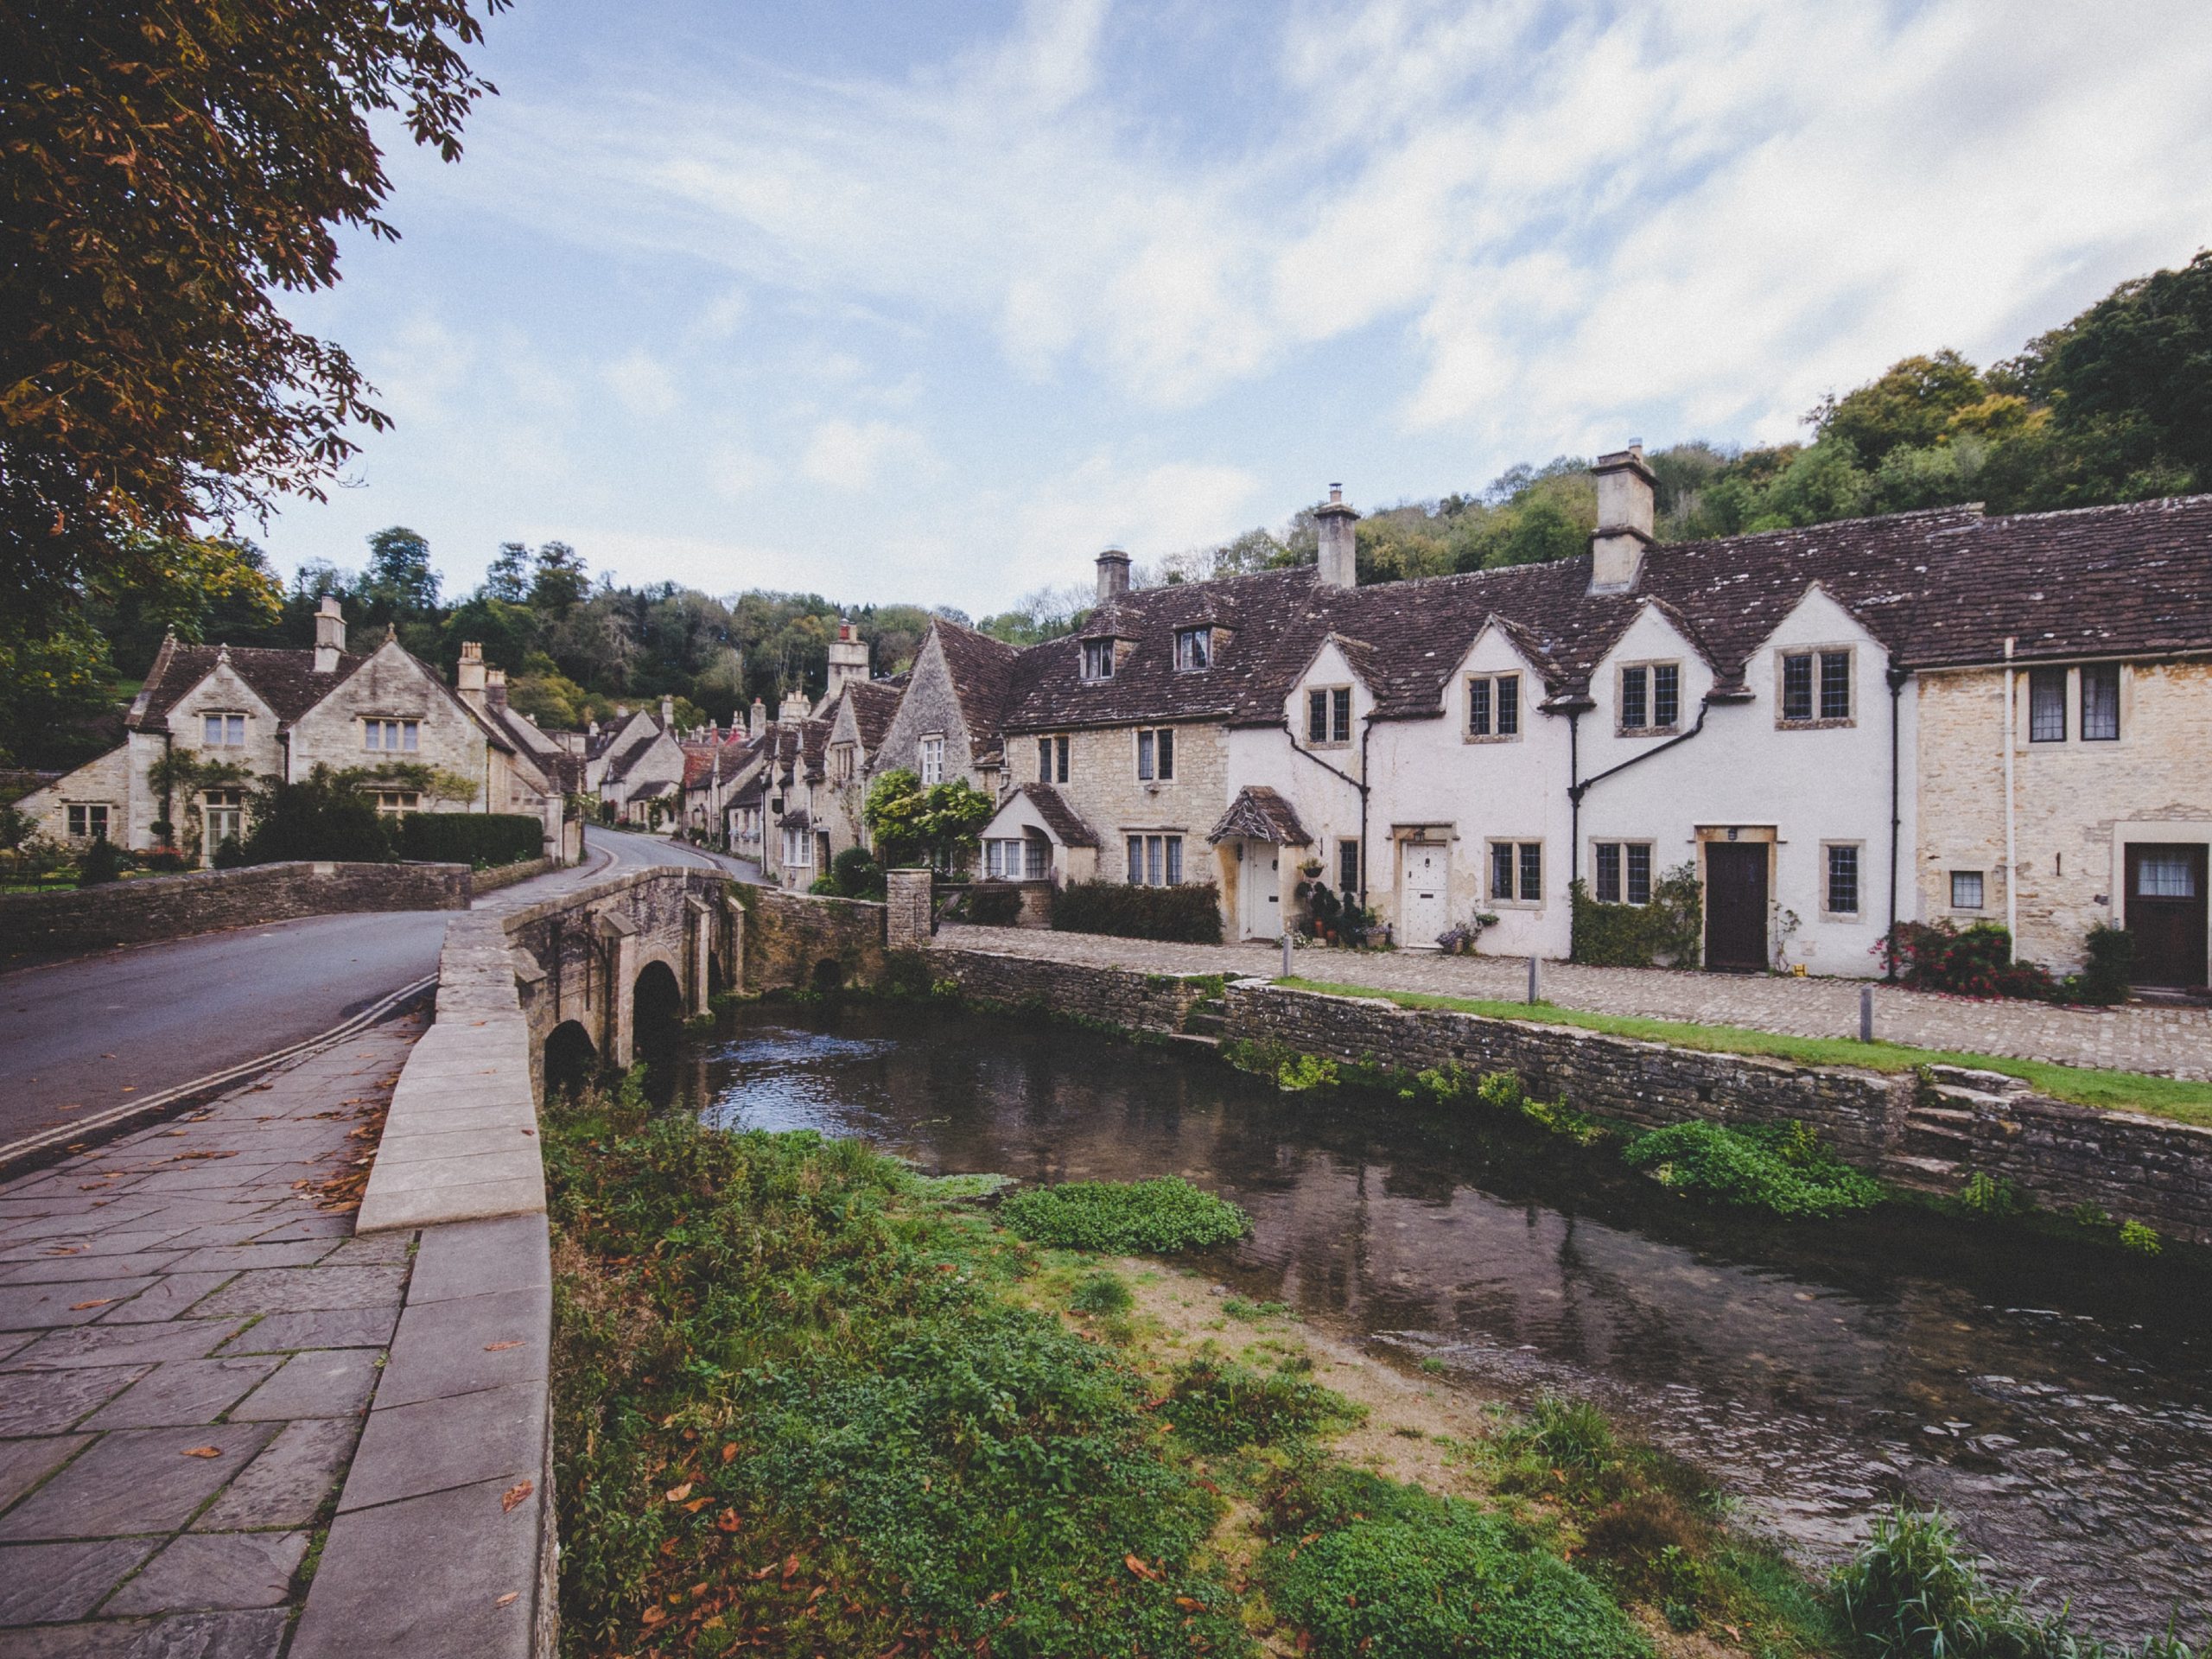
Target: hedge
{"points": [[481, 839], [993, 904], [1189, 914]]}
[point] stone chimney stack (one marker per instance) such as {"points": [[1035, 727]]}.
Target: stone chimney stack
{"points": [[848, 660], [668, 713], [756, 720], [1339, 565], [1627, 498], [495, 687], [468, 674], [329, 635], [1113, 574], [795, 708]]}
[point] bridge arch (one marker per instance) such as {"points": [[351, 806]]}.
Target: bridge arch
{"points": [[658, 1008], [571, 1058]]}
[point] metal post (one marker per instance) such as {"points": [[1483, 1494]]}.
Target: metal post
{"points": [[1866, 1014], [1286, 953], [1536, 988]]}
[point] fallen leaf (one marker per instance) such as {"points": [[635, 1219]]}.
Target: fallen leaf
{"points": [[696, 1504], [515, 1494], [1189, 1605], [653, 1615], [678, 1494], [504, 1599], [729, 1451], [79, 1307], [203, 1451], [728, 1521], [500, 1347], [1137, 1565]]}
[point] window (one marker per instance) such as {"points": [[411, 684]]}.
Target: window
{"points": [[1347, 867], [841, 763], [1016, 858], [1624, 872], [1816, 685], [1666, 695], [222, 817], [1494, 705], [799, 846], [1651, 697], [1098, 659], [398, 800], [2101, 703], [1155, 861], [87, 823], [932, 754], [1193, 647], [1966, 889], [390, 736], [1156, 755], [2047, 705], [1328, 715], [2164, 873], [1517, 872], [222, 731], [1842, 897]]}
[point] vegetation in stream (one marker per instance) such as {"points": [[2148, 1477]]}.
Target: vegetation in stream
{"points": [[1155, 1218], [1783, 1168]]}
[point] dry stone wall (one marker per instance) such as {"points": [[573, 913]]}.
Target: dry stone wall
{"points": [[788, 935], [201, 901], [1149, 1002]]}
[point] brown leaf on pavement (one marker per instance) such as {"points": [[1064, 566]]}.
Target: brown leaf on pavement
{"points": [[509, 1597], [500, 1347], [79, 1307], [203, 1451], [514, 1495]]}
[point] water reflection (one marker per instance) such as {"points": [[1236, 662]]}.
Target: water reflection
{"points": [[2056, 1398]]}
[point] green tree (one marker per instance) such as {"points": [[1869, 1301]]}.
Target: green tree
{"points": [[508, 575], [558, 582], [1909, 404], [398, 581], [169, 166], [909, 824]]}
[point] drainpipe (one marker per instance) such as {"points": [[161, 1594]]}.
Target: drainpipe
{"points": [[2011, 909], [1366, 730], [1897, 676], [1573, 799]]}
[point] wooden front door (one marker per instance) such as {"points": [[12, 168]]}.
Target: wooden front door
{"points": [[2166, 912], [1735, 906]]}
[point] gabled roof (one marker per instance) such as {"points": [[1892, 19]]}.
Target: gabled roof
{"points": [[285, 680], [633, 740], [1063, 820], [981, 670], [876, 704], [1258, 813]]}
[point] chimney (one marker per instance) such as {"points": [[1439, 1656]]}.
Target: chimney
{"points": [[796, 708], [1113, 574], [495, 687], [756, 721], [329, 635], [1626, 498], [668, 713], [1339, 565], [848, 660], [468, 673]]}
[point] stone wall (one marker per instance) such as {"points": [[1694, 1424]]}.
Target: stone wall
{"points": [[907, 919], [1151, 1002], [1103, 788], [787, 936], [505, 875], [170, 906]]}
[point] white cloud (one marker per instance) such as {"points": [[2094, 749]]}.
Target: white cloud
{"points": [[734, 471], [853, 454], [644, 385]]}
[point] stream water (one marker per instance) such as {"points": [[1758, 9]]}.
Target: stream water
{"points": [[2057, 1399]]}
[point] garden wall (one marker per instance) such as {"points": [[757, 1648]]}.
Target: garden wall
{"points": [[1153, 1003], [200, 901], [787, 935]]}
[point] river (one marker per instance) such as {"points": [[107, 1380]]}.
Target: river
{"points": [[2057, 1399]]}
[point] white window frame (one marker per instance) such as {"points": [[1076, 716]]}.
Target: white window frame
{"points": [[1493, 703], [399, 800], [930, 758], [1098, 659], [1980, 879], [803, 840], [86, 813], [1193, 649], [383, 734]]}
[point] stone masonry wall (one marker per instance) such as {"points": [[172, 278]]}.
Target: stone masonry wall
{"points": [[788, 934], [1150, 1002], [1103, 787], [170, 906]]}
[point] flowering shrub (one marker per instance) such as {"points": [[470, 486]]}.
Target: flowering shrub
{"points": [[1972, 962]]}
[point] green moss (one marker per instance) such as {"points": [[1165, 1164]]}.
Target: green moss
{"points": [[2133, 1091], [1154, 1218]]}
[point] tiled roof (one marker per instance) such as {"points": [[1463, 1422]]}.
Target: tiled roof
{"points": [[981, 670], [285, 680], [1940, 588], [1064, 822], [1259, 814], [875, 703]]}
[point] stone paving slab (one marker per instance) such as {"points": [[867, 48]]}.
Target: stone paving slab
{"points": [[2160, 1040], [188, 1344]]}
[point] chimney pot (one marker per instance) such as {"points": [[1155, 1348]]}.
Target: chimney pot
{"points": [[1338, 565], [468, 673], [1113, 574], [1627, 503]]}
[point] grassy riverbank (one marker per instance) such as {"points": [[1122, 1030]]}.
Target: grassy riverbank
{"points": [[2131, 1092], [808, 1403]]}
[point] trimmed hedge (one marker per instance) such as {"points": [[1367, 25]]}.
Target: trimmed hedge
{"points": [[993, 904], [1189, 914], [482, 839]]}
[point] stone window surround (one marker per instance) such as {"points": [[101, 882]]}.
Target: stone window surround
{"points": [[1061, 747], [924, 755], [1163, 764], [1817, 723], [1860, 914], [1650, 698], [2126, 830], [2024, 698], [372, 725], [1491, 895], [224, 716], [107, 813], [1624, 843], [1331, 691], [1981, 902], [1520, 707]]}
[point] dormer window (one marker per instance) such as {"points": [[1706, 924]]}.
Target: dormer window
{"points": [[1098, 659], [1194, 648], [1328, 717]]}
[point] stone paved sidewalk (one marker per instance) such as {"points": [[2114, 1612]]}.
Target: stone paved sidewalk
{"points": [[189, 1338], [2165, 1042]]}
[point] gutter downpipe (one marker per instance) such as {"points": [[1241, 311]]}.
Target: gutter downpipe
{"points": [[1366, 730], [1574, 799], [1898, 675], [2012, 847], [1575, 791]]}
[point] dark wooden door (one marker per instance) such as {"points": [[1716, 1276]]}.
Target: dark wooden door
{"points": [[1735, 906], [2166, 903]]}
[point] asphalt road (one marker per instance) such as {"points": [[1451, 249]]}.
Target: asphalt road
{"points": [[78, 1037]]}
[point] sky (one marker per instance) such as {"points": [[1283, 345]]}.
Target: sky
{"points": [[928, 303]]}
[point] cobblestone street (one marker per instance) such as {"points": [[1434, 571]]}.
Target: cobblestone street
{"points": [[2166, 1041], [189, 1337]]}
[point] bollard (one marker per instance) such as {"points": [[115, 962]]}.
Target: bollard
{"points": [[1866, 1014], [1286, 953], [1535, 990]]}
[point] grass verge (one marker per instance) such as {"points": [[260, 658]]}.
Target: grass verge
{"points": [[2131, 1092]]}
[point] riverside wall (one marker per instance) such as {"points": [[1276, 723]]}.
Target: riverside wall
{"points": [[1927, 1131]]}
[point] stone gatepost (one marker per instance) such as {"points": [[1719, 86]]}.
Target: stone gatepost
{"points": [[618, 939], [906, 921], [734, 955], [699, 922]]}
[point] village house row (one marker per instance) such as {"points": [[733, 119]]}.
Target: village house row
{"points": [[1937, 714]]}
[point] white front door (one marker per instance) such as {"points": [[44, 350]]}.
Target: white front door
{"points": [[1424, 909], [1259, 890]]}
